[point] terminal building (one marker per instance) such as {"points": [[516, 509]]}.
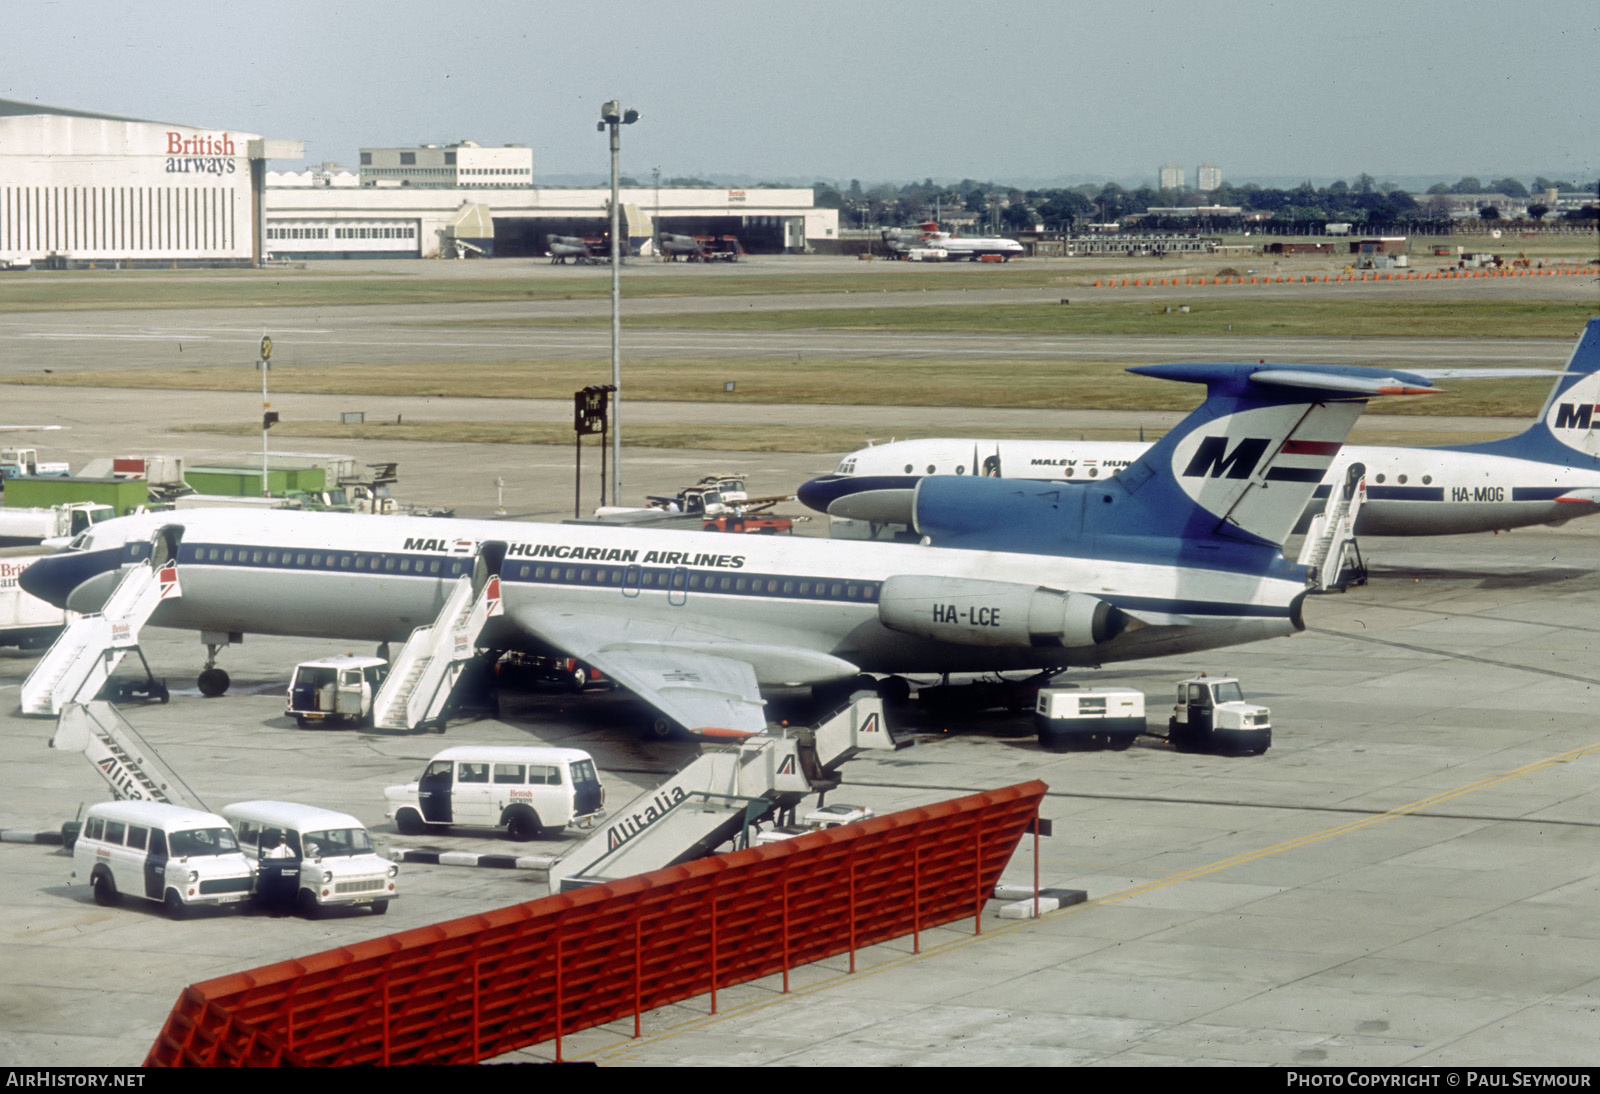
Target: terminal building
{"points": [[79, 188]]}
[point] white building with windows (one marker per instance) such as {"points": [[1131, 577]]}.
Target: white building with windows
{"points": [[464, 164]]}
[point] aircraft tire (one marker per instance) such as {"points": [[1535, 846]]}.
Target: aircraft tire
{"points": [[658, 727], [894, 690], [213, 682], [105, 890]]}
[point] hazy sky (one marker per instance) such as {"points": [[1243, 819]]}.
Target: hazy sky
{"points": [[827, 88]]}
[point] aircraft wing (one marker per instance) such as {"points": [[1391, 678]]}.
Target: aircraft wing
{"points": [[1484, 373], [709, 688]]}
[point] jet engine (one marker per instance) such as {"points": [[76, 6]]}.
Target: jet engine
{"points": [[975, 612]]}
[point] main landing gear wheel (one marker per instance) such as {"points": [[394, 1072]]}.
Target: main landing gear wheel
{"points": [[659, 727], [213, 682]]}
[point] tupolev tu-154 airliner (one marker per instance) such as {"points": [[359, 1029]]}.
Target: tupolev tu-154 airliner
{"points": [[1548, 474], [1179, 552]]}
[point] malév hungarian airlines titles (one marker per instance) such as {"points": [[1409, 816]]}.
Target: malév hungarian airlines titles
{"points": [[570, 552]]}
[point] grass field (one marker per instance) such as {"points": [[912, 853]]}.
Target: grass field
{"points": [[138, 289], [1363, 318], [820, 381], [871, 381], [335, 284], [733, 437]]}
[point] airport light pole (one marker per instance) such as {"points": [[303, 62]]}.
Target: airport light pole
{"points": [[613, 116]]}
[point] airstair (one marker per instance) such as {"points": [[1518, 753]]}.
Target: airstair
{"points": [[423, 676], [83, 657], [1330, 547], [123, 758], [721, 795]]}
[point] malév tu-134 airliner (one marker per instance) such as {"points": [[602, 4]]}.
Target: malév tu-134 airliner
{"points": [[1179, 552]]}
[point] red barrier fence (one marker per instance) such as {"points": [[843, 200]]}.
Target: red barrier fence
{"points": [[475, 988]]}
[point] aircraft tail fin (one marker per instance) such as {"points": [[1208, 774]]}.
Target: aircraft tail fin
{"points": [[1246, 462], [1239, 469], [1567, 430]]}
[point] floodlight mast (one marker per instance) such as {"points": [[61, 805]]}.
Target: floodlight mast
{"points": [[612, 116]]}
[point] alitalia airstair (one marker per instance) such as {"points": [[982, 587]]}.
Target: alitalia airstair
{"points": [[721, 795], [1330, 545], [85, 655], [423, 676], [123, 758]]}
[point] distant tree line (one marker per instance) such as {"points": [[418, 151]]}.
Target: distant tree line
{"points": [[1366, 204]]}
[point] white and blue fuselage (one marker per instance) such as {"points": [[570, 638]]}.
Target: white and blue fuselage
{"points": [[376, 579]]}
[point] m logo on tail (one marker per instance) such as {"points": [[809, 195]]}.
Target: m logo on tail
{"points": [[1574, 416], [1212, 458]]}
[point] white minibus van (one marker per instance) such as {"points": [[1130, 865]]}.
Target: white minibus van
{"points": [[526, 790], [311, 858], [167, 853]]}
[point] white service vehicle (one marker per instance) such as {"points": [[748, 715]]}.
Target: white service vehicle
{"points": [[526, 790], [31, 527], [1102, 718], [176, 856], [335, 689], [25, 621], [311, 858], [1211, 715]]}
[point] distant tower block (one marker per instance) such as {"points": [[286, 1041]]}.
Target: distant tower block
{"points": [[1171, 177], [1208, 176]]}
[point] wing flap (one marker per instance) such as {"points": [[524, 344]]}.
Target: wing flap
{"points": [[708, 685]]}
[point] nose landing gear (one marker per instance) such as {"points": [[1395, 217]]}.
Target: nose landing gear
{"points": [[214, 681]]}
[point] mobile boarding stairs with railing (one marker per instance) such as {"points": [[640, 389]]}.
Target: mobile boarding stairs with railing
{"points": [[722, 795]]}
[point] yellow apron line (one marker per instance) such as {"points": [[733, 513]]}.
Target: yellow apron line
{"points": [[621, 1051], [1351, 826]]}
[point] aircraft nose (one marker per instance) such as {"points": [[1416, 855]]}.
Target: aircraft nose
{"points": [[53, 577], [819, 493]]}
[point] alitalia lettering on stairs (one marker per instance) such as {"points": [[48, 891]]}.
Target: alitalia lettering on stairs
{"points": [[634, 823]]}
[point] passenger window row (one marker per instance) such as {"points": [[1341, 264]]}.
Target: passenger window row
{"points": [[328, 560], [696, 580]]}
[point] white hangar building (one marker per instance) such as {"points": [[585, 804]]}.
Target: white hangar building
{"points": [[78, 187], [420, 201]]}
